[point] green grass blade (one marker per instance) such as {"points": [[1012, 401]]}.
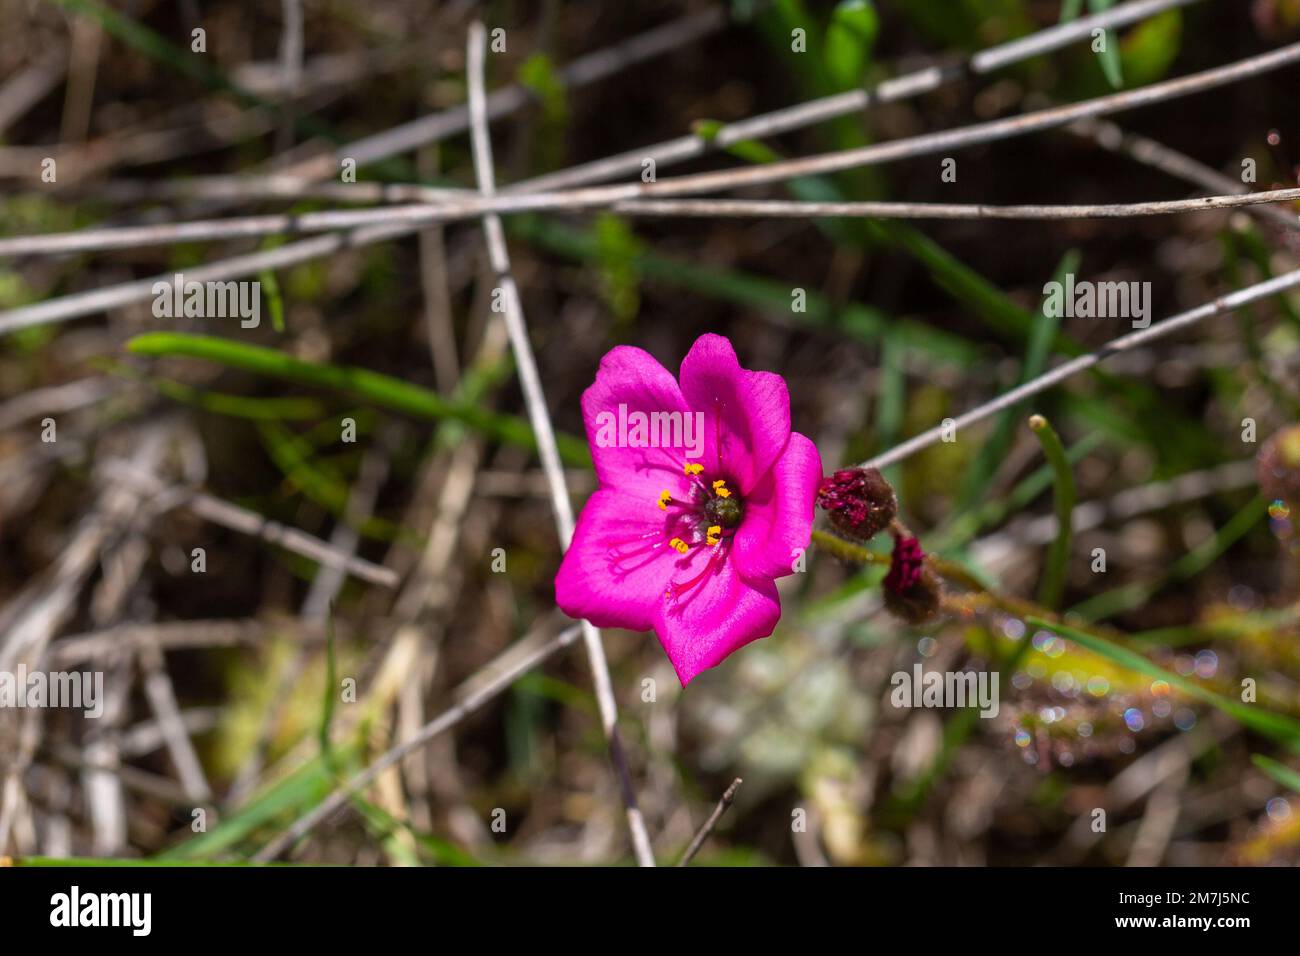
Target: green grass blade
{"points": [[962, 527], [274, 300], [1129, 596], [1278, 771], [303, 788], [994, 449], [850, 36], [859, 322], [891, 398], [1277, 726], [1109, 58], [327, 697], [382, 390], [288, 408], [1052, 586], [320, 482]]}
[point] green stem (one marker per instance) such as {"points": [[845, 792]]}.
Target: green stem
{"points": [[1052, 586], [847, 550]]}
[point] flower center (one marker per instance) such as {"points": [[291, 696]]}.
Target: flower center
{"points": [[710, 510], [725, 511], [708, 516]]}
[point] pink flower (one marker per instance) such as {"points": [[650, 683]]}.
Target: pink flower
{"points": [[704, 498]]}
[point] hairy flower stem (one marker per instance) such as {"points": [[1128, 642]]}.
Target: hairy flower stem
{"points": [[847, 550], [980, 598]]}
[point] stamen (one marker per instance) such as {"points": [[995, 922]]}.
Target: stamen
{"points": [[714, 535], [720, 489], [675, 590], [616, 546], [699, 484], [665, 461], [693, 468], [665, 496], [619, 555], [681, 546]]}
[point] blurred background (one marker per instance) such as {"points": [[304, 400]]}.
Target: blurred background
{"points": [[245, 680]]}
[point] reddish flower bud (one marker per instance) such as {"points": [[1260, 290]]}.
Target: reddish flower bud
{"points": [[859, 502], [912, 590], [1279, 466], [906, 564]]}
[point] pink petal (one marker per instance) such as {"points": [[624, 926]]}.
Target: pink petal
{"points": [[591, 584], [631, 377], [722, 615], [779, 513], [747, 414]]}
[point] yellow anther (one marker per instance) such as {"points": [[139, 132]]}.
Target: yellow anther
{"points": [[714, 534], [693, 468], [665, 496], [679, 545], [720, 489]]}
